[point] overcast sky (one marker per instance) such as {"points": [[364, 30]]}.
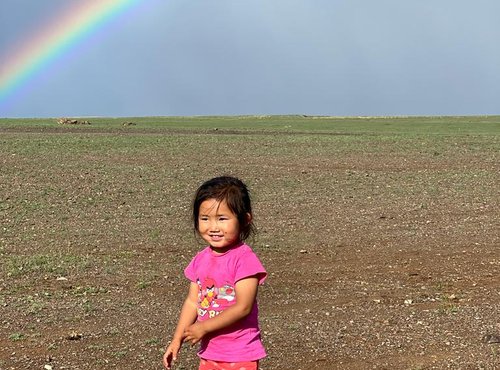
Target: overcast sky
{"points": [[226, 57]]}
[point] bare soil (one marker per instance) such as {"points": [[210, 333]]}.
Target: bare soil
{"points": [[383, 252]]}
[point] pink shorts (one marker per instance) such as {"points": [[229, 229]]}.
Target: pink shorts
{"points": [[216, 365]]}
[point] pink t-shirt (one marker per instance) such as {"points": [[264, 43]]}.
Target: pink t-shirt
{"points": [[216, 275]]}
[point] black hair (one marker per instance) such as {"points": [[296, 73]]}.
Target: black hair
{"points": [[237, 197]]}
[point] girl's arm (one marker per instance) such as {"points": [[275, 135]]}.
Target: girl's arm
{"points": [[186, 318], [246, 291]]}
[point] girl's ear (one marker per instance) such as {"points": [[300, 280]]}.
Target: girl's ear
{"points": [[248, 217]]}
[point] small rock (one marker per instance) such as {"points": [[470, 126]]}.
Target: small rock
{"points": [[47, 367], [303, 251], [61, 278], [74, 336]]}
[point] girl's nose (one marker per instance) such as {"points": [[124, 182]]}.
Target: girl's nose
{"points": [[214, 226]]}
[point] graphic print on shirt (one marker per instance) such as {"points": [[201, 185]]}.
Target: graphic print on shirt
{"points": [[213, 299]]}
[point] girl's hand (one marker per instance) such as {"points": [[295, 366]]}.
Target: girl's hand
{"points": [[194, 333], [171, 353]]}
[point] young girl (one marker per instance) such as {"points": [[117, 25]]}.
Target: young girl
{"points": [[220, 310]]}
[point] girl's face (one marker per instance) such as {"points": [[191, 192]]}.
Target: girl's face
{"points": [[217, 225]]}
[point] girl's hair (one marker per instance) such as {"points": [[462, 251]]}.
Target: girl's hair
{"points": [[236, 195]]}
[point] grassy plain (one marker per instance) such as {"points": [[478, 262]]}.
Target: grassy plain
{"points": [[294, 123], [380, 236]]}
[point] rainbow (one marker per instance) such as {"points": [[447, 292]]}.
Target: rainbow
{"points": [[60, 35]]}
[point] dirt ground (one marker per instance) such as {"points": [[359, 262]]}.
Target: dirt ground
{"points": [[382, 251]]}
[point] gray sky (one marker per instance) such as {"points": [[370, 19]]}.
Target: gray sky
{"points": [[225, 57]]}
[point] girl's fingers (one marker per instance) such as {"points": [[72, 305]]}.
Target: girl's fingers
{"points": [[167, 360], [190, 339], [170, 356]]}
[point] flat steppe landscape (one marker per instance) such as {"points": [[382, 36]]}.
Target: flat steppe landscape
{"points": [[380, 235]]}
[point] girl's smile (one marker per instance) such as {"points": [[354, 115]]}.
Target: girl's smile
{"points": [[218, 225]]}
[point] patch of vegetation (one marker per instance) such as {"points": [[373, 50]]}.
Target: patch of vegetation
{"points": [[153, 341], [34, 304], [89, 290], [121, 353], [55, 264], [15, 337], [143, 284], [88, 306]]}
